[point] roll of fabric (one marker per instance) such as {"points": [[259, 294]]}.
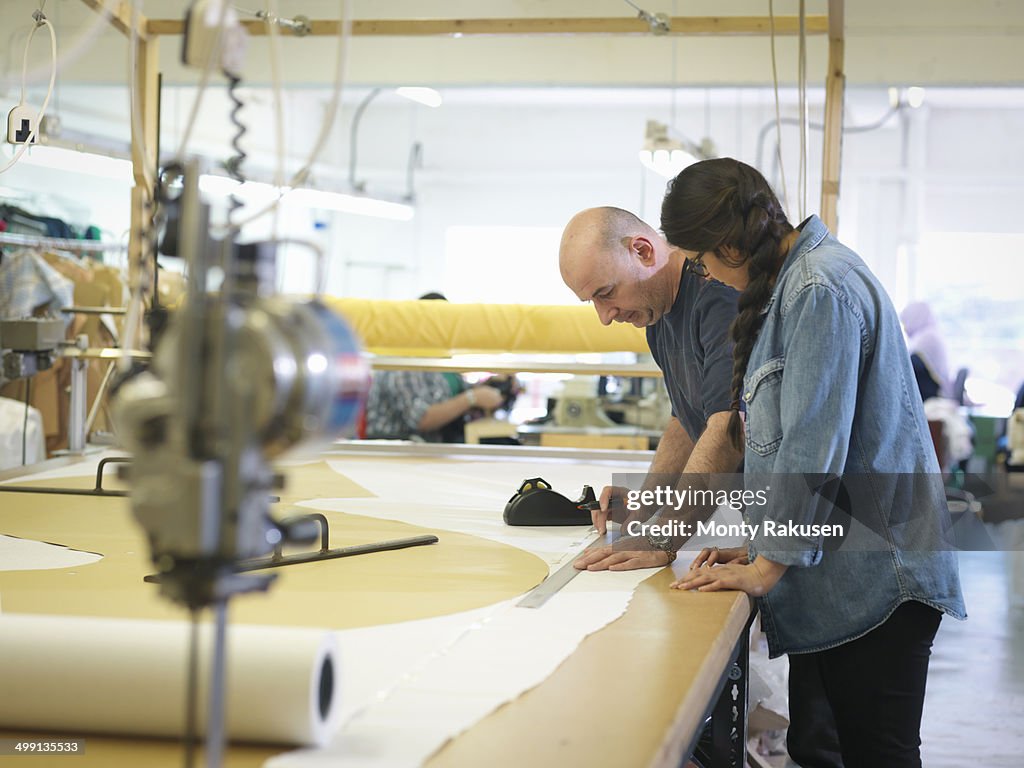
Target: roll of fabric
{"points": [[117, 676], [435, 328]]}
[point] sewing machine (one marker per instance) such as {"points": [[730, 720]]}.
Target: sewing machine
{"points": [[580, 405], [238, 377]]}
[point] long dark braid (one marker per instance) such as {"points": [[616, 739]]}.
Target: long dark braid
{"points": [[723, 203]]}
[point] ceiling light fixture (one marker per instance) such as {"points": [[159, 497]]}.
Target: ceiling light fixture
{"points": [[77, 161], [915, 96], [667, 156]]}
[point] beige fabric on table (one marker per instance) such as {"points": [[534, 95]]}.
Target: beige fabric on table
{"points": [[316, 480], [459, 573], [637, 657]]}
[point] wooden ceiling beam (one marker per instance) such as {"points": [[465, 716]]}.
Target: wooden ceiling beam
{"points": [[119, 14], [680, 25]]}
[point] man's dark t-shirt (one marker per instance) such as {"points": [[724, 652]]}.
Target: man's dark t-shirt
{"points": [[691, 346]]}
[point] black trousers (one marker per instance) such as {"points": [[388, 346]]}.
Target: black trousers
{"points": [[859, 705]]}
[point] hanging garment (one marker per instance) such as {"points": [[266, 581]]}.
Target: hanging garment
{"points": [[12, 422], [31, 287]]}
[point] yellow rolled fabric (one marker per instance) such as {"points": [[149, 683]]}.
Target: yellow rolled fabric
{"points": [[433, 328]]}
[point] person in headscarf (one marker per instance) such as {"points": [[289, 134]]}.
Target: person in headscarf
{"points": [[927, 350]]}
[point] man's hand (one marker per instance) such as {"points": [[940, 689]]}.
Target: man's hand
{"points": [[756, 578], [613, 502], [621, 558], [720, 556]]}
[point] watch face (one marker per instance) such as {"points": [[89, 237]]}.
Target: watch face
{"points": [[660, 542]]}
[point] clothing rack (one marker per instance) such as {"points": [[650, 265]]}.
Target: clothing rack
{"points": [[62, 244]]}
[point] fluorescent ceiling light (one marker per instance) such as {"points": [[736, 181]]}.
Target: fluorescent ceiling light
{"points": [[218, 186], [259, 193], [357, 204], [250, 192], [86, 163], [426, 96]]}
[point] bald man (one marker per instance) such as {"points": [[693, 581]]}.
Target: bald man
{"points": [[631, 274]]}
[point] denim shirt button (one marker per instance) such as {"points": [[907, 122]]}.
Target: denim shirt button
{"points": [[747, 397]]}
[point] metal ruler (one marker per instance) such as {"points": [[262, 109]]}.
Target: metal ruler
{"points": [[540, 594]]}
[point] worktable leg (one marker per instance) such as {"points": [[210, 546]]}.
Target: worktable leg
{"points": [[724, 741]]}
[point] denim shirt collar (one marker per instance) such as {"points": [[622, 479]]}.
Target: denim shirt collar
{"points": [[812, 232]]}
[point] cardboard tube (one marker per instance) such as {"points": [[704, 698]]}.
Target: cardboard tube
{"points": [[122, 676]]}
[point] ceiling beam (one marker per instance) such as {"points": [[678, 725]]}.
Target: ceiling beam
{"points": [[680, 25], [119, 14]]}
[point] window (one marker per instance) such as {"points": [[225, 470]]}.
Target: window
{"points": [[504, 265], [974, 284]]}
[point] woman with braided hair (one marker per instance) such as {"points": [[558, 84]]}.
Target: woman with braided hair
{"points": [[825, 407]]}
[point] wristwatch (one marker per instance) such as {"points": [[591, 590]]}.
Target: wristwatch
{"points": [[664, 544]]}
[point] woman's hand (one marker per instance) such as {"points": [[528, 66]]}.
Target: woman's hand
{"points": [[756, 578], [720, 556]]}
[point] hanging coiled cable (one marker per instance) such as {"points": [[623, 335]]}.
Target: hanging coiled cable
{"points": [[233, 165]]}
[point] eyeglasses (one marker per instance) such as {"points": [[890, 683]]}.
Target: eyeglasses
{"points": [[697, 265]]}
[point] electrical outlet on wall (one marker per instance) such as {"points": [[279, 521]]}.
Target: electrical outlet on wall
{"points": [[22, 122]]}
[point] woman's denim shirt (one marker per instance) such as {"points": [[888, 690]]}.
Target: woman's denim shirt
{"points": [[834, 423]]}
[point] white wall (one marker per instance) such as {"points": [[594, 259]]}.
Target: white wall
{"points": [[533, 157]]}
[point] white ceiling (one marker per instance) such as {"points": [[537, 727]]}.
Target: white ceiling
{"points": [[925, 42]]}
